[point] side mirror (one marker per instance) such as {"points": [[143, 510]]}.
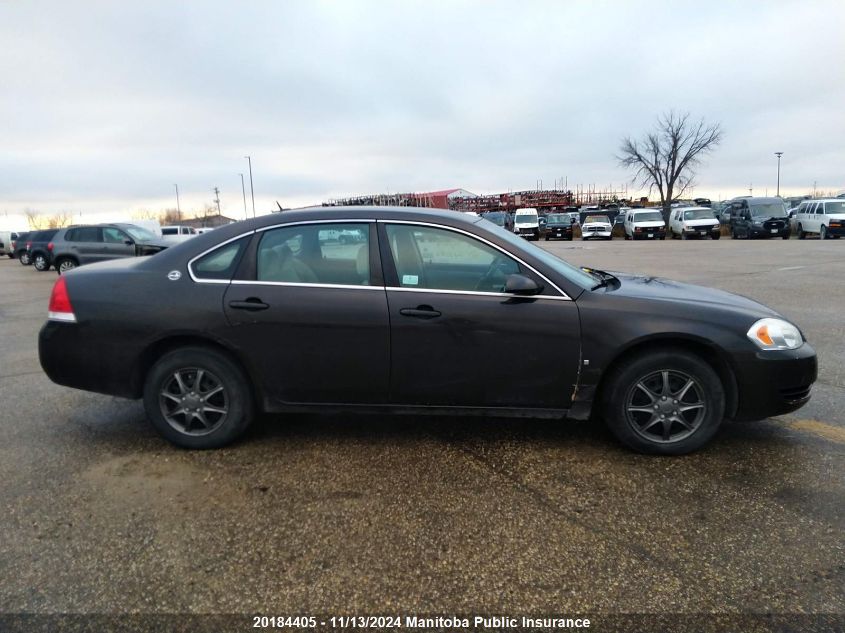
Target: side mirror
{"points": [[521, 285], [128, 242]]}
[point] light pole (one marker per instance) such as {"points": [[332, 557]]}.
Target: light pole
{"points": [[178, 208], [243, 189], [778, 154], [251, 189]]}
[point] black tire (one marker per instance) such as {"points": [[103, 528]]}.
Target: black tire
{"points": [[785, 237], [64, 264], [41, 263], [801, 233], [10, 255], [823, 233], [207, 428], [634, 429], [25, 259], [547, 238]]}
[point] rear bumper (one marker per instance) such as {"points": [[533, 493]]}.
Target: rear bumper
{"points": [[775, 382], [71, 358]]}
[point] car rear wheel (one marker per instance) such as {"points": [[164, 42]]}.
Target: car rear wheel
{"points": [[65, 264], [801, 233], [40, 263], [198, 398], [25, 259], [665, 403]]}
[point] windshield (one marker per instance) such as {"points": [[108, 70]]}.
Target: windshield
{"points": [[573, 274], [557, 217], [768, 210], [137, 233], [648, 216], [597, 218], [526, 218], [699, 214], [495, 218]]}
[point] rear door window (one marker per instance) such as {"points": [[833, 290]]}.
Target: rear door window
{"points": [[85, 234]]}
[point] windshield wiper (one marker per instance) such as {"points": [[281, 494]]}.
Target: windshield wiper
{"points": [[603, 276]]}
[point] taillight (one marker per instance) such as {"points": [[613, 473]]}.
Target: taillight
{"points": [[60, 308], [50, 247], [28, 245]]}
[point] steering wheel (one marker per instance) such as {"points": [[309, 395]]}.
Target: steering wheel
{"points": [[485, 284]]}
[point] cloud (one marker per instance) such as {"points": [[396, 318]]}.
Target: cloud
{"points": [[107, 105]]}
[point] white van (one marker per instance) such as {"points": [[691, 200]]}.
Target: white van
{"points": [[526, 223], [686, 222], [825, 217], [645, 224]]}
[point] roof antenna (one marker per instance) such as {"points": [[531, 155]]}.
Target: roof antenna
{"points": [[280, 206]]}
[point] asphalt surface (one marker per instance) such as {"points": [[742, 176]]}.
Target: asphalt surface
{"points": [[339, 514]]}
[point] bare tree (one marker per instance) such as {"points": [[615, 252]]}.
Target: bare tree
{"points": [[666, 158]]}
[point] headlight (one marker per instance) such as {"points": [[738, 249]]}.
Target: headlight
{"points": [[757, 222], [775, 334]]}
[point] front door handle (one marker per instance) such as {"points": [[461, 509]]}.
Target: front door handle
{"points": [[253, 304], [420, 312]]}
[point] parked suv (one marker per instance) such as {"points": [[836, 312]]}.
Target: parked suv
{"points": [[39, 245], [825, 217], [558, 226], [758, 217], [80, 245], [18, 248]]}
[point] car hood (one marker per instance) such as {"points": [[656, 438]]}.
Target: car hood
{"points": [[154, 246], [660, 289]]}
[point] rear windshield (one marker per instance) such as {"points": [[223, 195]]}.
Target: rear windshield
{"points": [[648, 216]]}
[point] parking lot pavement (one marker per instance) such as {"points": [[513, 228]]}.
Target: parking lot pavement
{"points": [[368, 514]]}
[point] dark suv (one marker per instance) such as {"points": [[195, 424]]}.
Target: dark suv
{"points": [[39, 247], [18, 248], [758, 217], [80, 245]]}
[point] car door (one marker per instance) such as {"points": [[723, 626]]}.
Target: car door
{"points": [[86, 244], [458, 340], [117, 244], [311, 314]]}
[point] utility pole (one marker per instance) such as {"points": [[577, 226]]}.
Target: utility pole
{"points": [[251, 188], [217, 199], [178, 208], [778, 154], [751, 189], [243, 189]]}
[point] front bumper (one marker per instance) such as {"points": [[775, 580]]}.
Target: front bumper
{"points": [[773, 382], [702, 232], [556, 233], [603, 233], [646, 234], [837, 231], [756, 231]]}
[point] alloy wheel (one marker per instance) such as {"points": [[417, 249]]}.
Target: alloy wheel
{"points": [[66, 265], [666, 406], [194, 401]]}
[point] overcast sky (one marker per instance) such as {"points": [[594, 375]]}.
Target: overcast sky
{"points": [[104, 106]]}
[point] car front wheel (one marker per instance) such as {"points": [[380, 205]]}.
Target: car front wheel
{"points": [[665, 403], [823, 232], [40, 263], [198, 398]]}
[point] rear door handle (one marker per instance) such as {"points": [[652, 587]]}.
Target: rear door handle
{"points": [[253, 304], [420, 312]]}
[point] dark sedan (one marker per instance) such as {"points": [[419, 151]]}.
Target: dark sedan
{"points": [[558, 227], [432, 312]]}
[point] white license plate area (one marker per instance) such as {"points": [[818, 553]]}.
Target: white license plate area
{"points": [[774, 230]]}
